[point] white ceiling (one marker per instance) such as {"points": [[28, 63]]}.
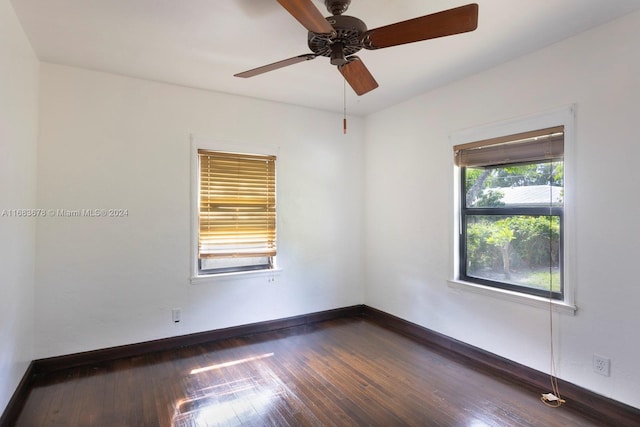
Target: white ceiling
{"points": [[203, 43]]}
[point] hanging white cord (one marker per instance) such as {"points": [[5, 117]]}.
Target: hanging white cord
{"points": [[551, 399]]}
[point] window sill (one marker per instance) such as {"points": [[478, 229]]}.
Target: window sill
{"points": [[270, 274], [530, 300]]}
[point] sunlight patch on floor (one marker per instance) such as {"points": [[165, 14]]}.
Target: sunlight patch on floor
{"points": [[231, 363]]}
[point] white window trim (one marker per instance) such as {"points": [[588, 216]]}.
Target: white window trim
{"points": [[215, 144], [559, 116]]}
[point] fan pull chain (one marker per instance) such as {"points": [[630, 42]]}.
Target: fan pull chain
{"points": [[344, 100]]}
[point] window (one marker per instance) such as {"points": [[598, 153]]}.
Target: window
{"points": [[236, 206], [511, 227]]}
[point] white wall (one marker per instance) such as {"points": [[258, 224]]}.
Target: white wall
{"points": [[18, 135], [409, 208], [108, 141]]}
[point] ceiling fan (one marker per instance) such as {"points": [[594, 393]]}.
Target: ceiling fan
{"points": [[340, 36]]}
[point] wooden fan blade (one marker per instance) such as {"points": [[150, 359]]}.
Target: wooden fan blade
{"points": [[358, 76], [446, 23], [276, 65], [308, 15]]}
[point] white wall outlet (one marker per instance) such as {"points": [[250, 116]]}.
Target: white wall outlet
{"points": [[601, 365], [176, 315]]}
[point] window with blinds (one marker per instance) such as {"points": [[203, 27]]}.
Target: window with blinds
{"points": [[512, 210], [236, 211]]}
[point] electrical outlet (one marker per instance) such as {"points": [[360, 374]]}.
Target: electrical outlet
{"points": [[176, 315], [601, 365]]}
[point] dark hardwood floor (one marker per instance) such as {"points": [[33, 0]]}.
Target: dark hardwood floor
{"points": [[344, 372]]}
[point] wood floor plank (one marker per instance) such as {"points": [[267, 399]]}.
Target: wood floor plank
{"points": [[341, 372]]}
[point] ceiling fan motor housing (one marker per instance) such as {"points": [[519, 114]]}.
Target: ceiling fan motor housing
{"points": [[337, 7], [347, 38]]}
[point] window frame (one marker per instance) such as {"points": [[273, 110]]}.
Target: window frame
{"points": [[544, 211], [221, 145], [562, 116]]}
